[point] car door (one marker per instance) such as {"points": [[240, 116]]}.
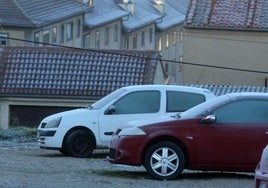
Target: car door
{"points": [[132, 106], [236, 138]]}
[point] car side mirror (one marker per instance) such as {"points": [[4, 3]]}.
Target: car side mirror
{"points": [[209, 119], [110, 110]]}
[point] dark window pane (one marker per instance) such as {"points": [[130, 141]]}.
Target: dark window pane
{"points": [[181, 101], [245, 111], [138, 102]]}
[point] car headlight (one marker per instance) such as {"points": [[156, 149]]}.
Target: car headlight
{"points": [[131, 131], [53, 123]]}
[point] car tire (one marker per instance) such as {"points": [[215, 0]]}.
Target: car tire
{"points": [[62, 151], [79, 143], [164, 160]]}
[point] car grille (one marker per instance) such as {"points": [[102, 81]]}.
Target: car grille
{"points": [[112, 153], [46, 133]]}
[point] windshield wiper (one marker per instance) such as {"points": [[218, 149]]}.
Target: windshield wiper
{"points": [[176, 116]]}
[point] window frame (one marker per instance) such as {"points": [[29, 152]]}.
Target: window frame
{"points": [[180, 99]]}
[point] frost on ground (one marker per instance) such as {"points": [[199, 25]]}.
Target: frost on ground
{"points": [[23, 164]]}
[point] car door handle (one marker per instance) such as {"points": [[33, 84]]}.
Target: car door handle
{"points": [[266, 132], [109, 133]]}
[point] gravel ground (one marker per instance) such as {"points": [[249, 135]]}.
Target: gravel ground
{"points": [[23, 164]]}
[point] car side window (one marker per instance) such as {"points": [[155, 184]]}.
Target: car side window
{"points": [[244, 111], [178, 101], [138, 102]]}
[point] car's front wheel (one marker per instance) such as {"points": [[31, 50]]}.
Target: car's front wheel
{"points": [[164, 160], [78, 143]]}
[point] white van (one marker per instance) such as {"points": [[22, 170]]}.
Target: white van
{"points": [[78, 132]]}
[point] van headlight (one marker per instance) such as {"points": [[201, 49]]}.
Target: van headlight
{"points": [[53, 123], [131, 131]]}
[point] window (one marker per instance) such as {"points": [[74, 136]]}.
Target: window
{"points": [[46, 36], [167, 40], [3, 41], [174, 38], [135, 41], [142, 38], [97, 39], [138, 103], [78, 27], [181, 101], [69, 31], [87, 41], [160, 43], [54, 35], [116, 32], [62, 33], [107, 33], [244, 111], [126, 44], [36, 38], [181, 36], [151, 35]]}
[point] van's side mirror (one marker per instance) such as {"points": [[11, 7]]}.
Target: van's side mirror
{"points": [[209, 119], [110, 110]]}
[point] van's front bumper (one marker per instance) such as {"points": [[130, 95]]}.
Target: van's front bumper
{"points": [[49, 139]]}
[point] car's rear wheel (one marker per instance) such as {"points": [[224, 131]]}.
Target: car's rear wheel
{"points": [[79, 143], [164, 160]]}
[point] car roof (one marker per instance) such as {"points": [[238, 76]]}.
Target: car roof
{"points": [[170, 87], [247, 95]]}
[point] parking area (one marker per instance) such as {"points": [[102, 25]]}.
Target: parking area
{"points": [[25, 165]]}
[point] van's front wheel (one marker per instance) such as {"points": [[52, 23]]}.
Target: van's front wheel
{"points": [[79, 143]]}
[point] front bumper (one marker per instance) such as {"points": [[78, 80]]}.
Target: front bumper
{"points": [[126, 150], [49, 139]]}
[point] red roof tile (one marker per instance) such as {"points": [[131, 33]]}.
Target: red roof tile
{"points": [[228, 14]]}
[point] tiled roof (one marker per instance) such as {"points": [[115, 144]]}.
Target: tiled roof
{"points": [[65, 72], [228, 14], [104, 11], [32, 13], [143, 14], [224, 89]]}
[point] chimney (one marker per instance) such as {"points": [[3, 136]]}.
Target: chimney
{"points": [[88, 2], [159, 5], [127, 5]]}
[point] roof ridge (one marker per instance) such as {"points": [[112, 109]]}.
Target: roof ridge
{"points": [[191, 11], [251, 12]]}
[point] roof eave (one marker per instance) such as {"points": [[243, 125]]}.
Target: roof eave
{"points": [[227, 28]]}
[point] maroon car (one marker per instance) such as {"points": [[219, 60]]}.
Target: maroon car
{"points": [[227, 133]]}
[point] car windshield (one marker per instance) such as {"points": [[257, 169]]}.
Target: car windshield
{"points": [[102, 102], [205, 107]]}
